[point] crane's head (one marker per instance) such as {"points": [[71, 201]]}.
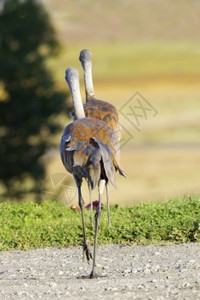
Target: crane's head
{"points": [[71, 74], [85, 56]]}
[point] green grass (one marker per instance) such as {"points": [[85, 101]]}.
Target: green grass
{"points": [[30, 225]]}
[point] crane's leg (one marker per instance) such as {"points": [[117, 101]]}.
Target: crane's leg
{"points": [[97, 219], [91, 205], [86, 250], [108, 204]]}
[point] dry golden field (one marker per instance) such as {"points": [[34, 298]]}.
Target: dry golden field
{"points": [[150, 47]]}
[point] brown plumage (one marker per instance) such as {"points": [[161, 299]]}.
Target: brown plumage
{"points": [[87, 151]]}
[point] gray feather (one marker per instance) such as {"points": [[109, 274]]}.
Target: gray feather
{"points": [[106, 154]]}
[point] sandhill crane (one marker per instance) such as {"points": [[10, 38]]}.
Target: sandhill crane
{"points": [[87, 151], [99, 109], [95, 108]]}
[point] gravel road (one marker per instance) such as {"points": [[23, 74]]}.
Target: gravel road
{"points": [[127, 272]]}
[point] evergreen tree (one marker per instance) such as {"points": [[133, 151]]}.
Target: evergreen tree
{"points": [[29, 103]]}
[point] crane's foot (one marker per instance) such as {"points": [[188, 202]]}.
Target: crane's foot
{"points": [[86, 252], [93, 274]]}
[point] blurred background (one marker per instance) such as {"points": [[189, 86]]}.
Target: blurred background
{"points": [[148, 47]]}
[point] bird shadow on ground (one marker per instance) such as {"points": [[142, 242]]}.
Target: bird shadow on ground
{"points": [[88, 276]]}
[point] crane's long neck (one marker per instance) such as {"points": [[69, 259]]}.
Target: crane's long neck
{"points": [[72, 78], [89, 88]]}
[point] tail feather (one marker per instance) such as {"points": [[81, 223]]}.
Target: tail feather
{"points": [[119, 169], [107, 159]]}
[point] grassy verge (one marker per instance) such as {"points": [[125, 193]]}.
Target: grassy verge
{"points": [[30, 225]]}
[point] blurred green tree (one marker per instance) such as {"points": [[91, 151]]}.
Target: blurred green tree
{"points": [[29, 102]]}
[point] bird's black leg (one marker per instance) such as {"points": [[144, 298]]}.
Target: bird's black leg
{"points": [[86, 250], [108, 204], [97, 219], [91, 205]]}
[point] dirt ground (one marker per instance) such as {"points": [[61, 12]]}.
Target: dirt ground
{"points": [[125, 272]]}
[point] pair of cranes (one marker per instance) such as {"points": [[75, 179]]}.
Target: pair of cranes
{"points": [[90, 145]]}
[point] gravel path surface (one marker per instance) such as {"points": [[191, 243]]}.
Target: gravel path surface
{"points": [[127, 272]]}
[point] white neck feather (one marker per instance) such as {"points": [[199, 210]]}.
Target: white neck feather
{"points": [[89, 88], [72, 78]]}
